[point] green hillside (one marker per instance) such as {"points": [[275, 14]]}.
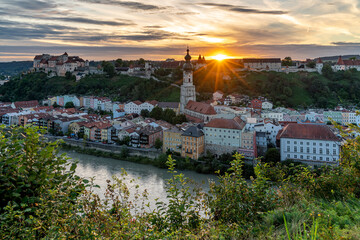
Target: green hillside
{"points": [[291, 90], [13, 68], [119, 88]]}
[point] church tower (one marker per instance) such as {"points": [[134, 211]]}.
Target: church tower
{"points": [[187, 88]]}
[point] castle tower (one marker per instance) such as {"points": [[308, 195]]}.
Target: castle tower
{"points": [[187, 88]]}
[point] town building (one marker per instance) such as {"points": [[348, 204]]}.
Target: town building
{"points": [[309, 143], [193, 143], [248, 144], [270, 64], [218, 95], [346, 64], [223, 135], [172, 140], [175, 106], [199, 111], [187, 92], [59, 65]]}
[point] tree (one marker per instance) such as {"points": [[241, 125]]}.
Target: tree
{"points": [[169, 115], [156, 113], [287, 61], [108, 68], [327, 71], [69, 105], [145, 113], [141, 62], [272, 155], [158, 144], [55, 105], [179, 119], [119, 62], [311, 64]]}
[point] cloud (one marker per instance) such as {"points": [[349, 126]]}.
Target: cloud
{"points": [[346, 43], [243, 9], [32, 4], [91, 21], [128, 4]]}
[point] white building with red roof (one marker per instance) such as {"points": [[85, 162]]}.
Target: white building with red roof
{"points": [[346, 64], [199, 111], [309, 143], [223, 135]]}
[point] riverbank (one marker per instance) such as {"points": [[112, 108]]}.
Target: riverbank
{"points": [[160, 161]]}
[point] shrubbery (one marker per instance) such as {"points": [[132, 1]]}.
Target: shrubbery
{"points": [[41, 198]]}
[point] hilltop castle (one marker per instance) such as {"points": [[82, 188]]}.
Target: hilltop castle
{"points": [[59, 65]]}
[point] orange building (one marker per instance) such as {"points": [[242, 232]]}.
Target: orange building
{"points": [[193, 143]]}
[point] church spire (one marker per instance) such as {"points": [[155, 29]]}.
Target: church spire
{"points": [[188, 65]]}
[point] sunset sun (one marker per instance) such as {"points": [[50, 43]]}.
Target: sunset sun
{"points": [[219, 57]]}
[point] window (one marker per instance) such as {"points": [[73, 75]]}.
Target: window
{"points": [[295, 156], [307, 143], [295, 142], [301, 149], [320, 144], [288, 155], [301, 143], [288, 148], [295, 149], [288, 142], [327, 151], [334, 151], [321, 151], [314, 150], [307, 150], [327, 144], [314, 158], [320, 158], [314, 144]]}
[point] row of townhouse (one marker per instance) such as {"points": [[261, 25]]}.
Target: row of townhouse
{"points": [[105, 104], [218, 136]]}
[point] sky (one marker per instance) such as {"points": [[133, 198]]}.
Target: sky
{"points": [[156, 30]]}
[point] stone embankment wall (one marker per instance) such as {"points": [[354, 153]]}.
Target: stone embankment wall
{"points": [[150, 153]]}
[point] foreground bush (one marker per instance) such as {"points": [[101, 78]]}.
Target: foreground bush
{"points": [[42, 198]]}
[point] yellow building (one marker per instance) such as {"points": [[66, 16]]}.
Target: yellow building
{"points": [[172, 140], [192, 143]]}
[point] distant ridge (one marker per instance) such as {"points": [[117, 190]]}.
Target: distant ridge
{"points": [[13, 68], [335, 58]]}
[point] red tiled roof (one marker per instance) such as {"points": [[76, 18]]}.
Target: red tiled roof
{"points": [[340, 61], [308, 131], [319, 60], [200, 107], [103, 125], [137, 102], [224, 123], [153, 102], [37, 57], [352, 62], [26, 104], [193, 119]]}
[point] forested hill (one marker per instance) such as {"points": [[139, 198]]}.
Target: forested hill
{"points": [[300, 89], [291, 90], [37, 86], [14, 68]]}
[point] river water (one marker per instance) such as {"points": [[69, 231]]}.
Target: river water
{"points": [[147, 177]]}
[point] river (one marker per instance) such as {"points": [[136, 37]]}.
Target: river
{"points": [[147, 177]]}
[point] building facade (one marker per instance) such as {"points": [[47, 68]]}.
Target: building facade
{"points": [[309, 143]]}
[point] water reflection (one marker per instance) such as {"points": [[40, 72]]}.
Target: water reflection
{"points": [[149, 178]]}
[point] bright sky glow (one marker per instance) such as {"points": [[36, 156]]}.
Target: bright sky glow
{"points": [[129, 29]]}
